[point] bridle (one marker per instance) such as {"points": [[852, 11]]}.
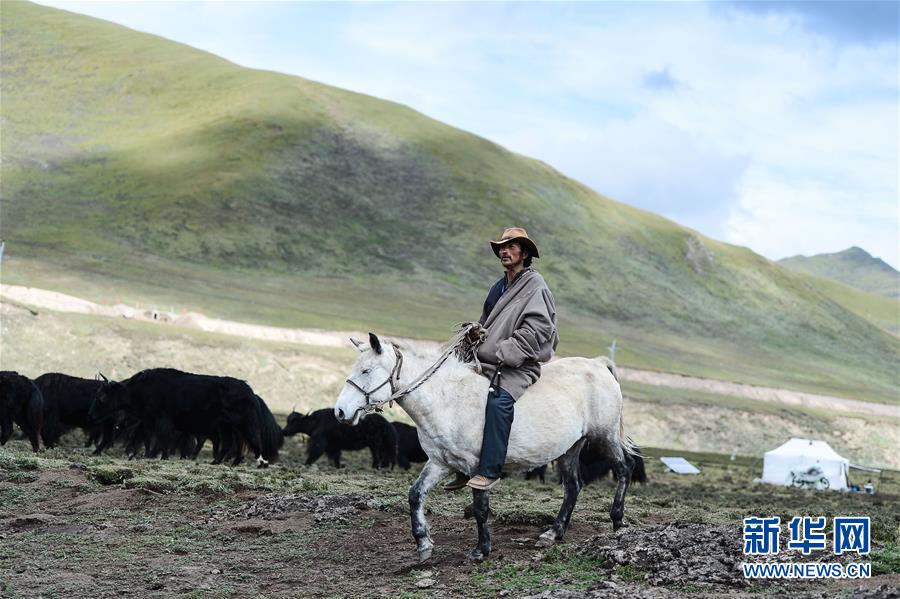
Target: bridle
{"points": [[393, 380]]}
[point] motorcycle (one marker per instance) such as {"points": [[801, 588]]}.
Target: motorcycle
{"points": [[809, 478]]}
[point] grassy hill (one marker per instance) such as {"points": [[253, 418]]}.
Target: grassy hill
{"points": [[136, 167], [880, 310], [854, 267]]}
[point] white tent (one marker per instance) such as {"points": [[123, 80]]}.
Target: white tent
{"points": [[806, 463]]}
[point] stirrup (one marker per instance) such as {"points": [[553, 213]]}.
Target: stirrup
{"points": [[457, 483]]}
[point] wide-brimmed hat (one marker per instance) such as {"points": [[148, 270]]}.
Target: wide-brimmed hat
{"points": [[520, 236]]}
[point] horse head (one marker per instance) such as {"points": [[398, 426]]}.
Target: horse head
{"points": [[369, 381]]}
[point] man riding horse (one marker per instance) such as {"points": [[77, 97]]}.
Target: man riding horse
{"points": [[518, 325], [571, 402]]}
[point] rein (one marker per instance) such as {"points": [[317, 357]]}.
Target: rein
{"points": [[455, 345]]}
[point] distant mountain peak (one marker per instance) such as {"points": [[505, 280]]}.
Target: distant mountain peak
{"points": [[854, 266], [856, 253]]}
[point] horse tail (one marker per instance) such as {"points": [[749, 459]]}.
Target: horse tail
{"points": [[628, 446], [639, 472]]}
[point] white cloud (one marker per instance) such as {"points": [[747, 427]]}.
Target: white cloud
{"points": [[779, 220]]}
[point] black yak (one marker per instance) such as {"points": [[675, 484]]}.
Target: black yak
{"points": [[166, 409], [20, 403], [330, 437], [594, 467], [67, 404], [409, 449]]}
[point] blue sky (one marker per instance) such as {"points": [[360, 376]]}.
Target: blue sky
{"points": [[772, 125]]}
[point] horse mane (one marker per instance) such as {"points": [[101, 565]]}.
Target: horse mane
{"points": [[416, 349], [429, 353], [457, 342]]}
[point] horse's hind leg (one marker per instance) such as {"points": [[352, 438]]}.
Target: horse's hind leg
{"points": [[431, 475], [623, 464], [570, 471], [482, 508]]}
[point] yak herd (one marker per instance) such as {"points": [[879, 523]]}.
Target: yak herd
{"points": [[161, 410], [166, 412]]}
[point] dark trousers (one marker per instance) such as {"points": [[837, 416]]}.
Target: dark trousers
{"points": [[498, 419]]}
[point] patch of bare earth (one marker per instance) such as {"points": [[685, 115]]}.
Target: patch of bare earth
{"points": [[72, 538], [702, 559]]}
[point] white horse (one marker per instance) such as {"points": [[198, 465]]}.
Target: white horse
{"points": [[576, 399]]}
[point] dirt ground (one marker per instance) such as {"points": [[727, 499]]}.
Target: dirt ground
{"points": [[72, 525]]}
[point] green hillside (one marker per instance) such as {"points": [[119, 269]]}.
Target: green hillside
{"points": [[882, 311], [854, 267], [133, 166]]}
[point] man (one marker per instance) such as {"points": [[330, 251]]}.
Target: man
{"points": [[519, 322]]}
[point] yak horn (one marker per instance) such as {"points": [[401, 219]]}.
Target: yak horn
{"points": [[105, 380]]}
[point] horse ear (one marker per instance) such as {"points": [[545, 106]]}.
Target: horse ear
{"points": [[375, 343], [357, 344]]}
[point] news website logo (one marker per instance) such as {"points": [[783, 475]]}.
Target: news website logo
{"points": [[849, 535]]}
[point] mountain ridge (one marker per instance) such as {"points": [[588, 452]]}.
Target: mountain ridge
{"points": [[854, 267]]}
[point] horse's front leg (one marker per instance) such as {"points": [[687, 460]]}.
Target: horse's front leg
{"points": [[431, 475], [482, 508]]}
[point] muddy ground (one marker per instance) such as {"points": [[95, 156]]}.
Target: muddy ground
{"points": [[72, 525]]}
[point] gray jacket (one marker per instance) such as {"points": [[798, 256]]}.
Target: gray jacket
{"points": [[520, 333]]}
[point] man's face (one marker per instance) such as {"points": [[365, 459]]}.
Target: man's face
{"points": [[511, 255]]}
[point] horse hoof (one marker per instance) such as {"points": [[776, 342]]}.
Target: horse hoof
{"points": [[617, 524], [477, 555], [425, 553], [548, 539]]}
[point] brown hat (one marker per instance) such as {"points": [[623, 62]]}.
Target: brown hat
{"points": [[519, 235]]}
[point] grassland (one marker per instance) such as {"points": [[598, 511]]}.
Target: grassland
{"points": [[310, 377], [878, 309], [707, 422], [134, 166], [412, 310], [75, 525]]}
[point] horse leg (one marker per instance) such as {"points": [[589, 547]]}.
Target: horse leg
{"points": [[482, 509], [623, 464], [570, 471], [431, 475]]}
